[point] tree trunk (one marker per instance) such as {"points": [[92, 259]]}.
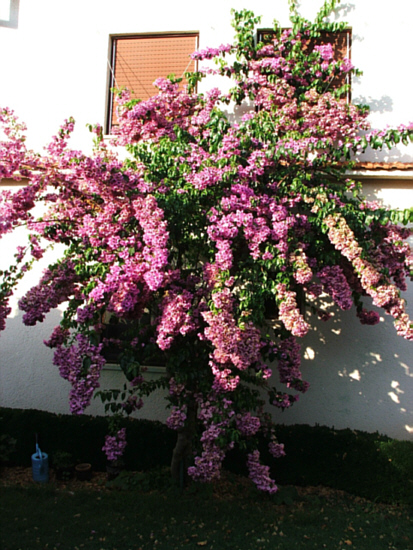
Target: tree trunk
{"points": [[182, 452]]}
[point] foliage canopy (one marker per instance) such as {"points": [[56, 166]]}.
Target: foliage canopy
{"points": [[206, 226]]}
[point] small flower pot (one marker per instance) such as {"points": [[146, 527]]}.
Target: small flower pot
{"points": [[64, 473], [63, 465], [84, 472]]}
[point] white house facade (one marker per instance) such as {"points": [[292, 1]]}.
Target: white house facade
{"points": [[58, 61]]}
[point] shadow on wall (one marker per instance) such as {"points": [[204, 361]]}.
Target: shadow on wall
{"points": [[388, 155], [9, 13], [360, 377], [343, 10], [382, 105]]}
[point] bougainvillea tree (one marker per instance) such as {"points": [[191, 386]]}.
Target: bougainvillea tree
{"points": [[183, 248]]}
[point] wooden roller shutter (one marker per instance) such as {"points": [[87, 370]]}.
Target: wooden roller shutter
{"points": [[137, 61], [341, 42]]}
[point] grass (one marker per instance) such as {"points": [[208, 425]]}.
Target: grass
{"points": [[142, 511]]}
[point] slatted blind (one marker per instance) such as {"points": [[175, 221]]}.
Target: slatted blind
{"points": [[139, 60], [341, 42]]}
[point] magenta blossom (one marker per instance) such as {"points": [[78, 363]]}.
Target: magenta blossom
{"points": [[114, 446]]}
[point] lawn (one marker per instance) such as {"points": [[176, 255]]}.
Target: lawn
{"points": [[143, 511]]}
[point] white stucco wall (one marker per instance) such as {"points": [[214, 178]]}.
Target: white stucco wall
{"points": [[55, 66], [360, 376]]}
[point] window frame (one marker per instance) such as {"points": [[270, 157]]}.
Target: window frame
{"points": [[112, 352]]}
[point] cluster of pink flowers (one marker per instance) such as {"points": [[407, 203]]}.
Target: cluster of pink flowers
{"points": [[394, 253], [233, 345], [210, 53], [368, 317], [5, 311], [302, 272], [216, 417], [58, 337], [289, 313], [131, 404], [155, 238], [384, 294], [54, 288], [175, 317], [289, 362], [336, 285], [247, 424], [276, 449], [80, 363], [260, 474], [326, 51], [208, 465], [169, 108], [15, 207], [115, 445], [176, 419], [174, 388], [224, 379], [283, 400]]}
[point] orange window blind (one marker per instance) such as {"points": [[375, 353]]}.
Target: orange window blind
{"points": [[137, 61]]}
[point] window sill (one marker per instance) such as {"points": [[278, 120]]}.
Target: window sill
{"points": [[382, 174], [150, 369]]}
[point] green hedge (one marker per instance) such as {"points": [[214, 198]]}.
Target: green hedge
{"points": [[149, 443], [368, 465], [365, 464]]}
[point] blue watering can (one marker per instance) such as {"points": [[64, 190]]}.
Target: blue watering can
{"points": [[40, 466]]}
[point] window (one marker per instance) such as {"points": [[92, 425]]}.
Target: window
{"points": [[138, 60], [341, 42], [116, 331]]}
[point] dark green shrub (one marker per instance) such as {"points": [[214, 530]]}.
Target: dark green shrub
{"points": [[7, 448], [400, 454], [369, 465], [150, 443]]}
